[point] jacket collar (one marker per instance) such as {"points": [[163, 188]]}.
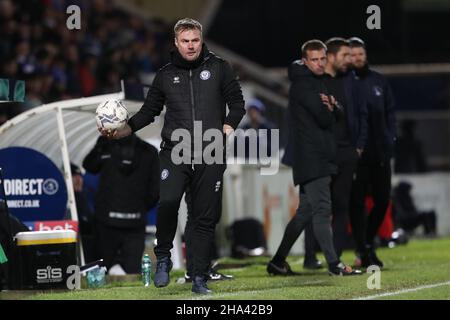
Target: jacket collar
{"points": [[298, 70], [182, 63]]}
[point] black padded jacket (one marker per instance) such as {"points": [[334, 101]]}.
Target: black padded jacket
{"points": [[192, 91]]}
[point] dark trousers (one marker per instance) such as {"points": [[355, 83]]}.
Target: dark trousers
{"points": [[188, 233], [373, 179], [341, 188], [204, 182], [121, 245], [315, 208], [311, 245]]}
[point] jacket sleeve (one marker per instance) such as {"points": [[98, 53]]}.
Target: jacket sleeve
{"points": [[93, 161], [390, 111], [308, 97], [153, 196], [152, 107], [232, 93]]}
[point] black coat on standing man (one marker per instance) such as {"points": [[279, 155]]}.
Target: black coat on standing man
{"points": [[314, 149]]}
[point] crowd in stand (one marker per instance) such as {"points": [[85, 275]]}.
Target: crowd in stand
{"points": [[57, 63]]}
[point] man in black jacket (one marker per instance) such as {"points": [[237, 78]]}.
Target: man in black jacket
{"points": [[128, 188], [313, 115], [195, 86], [350, 134], [374, 171]]}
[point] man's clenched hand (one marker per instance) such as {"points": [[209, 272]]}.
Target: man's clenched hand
{"points": [[116, 134]]}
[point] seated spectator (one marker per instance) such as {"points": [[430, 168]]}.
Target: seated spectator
{"points": [[261, 128], [256, 120]]}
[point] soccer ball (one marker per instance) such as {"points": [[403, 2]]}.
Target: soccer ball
{"points": [[111, 115]]}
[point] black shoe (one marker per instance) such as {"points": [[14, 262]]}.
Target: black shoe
{"points": [[187, 277], [163, 267], [364, 261], [199, 286], [374, 259], [343, 270], [282, 269], [312, 264], [367, 259], [212, 275]]}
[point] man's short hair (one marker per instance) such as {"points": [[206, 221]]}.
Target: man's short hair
{"points": [[187, 24], [312, 45], [335, 44], [356, 42]]}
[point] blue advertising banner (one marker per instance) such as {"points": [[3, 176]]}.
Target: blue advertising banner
{"points": [[34, 187]]}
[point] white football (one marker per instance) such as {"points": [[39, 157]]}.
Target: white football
{"points": [[111, 115]]}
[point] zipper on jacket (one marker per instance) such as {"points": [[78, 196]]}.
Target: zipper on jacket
{"points": [[192, 91], [192, 98], [191, 85]]}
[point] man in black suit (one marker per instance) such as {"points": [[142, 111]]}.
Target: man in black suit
{"points": [[313, 114]]}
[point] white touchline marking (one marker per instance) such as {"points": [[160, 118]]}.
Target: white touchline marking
{"points": [[387, 294]]}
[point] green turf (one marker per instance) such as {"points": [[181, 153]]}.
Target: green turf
{"points": [[438, 293], [421, 262]]}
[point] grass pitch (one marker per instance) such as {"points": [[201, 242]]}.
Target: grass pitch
{"points": [[419, 270]]}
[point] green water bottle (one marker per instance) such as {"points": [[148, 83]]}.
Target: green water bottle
{"points": [[146, 270]]}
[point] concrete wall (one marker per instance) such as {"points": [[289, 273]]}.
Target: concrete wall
{"points": [[273, 199]]}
